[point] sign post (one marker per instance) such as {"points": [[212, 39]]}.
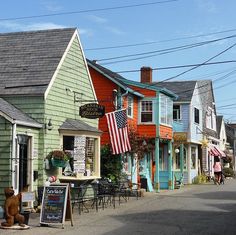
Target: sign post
{"points": [[56, 205]]}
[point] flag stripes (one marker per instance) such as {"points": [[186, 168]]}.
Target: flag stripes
{"points": [[118, 131]]}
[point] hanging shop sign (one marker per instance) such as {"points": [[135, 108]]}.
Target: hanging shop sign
{"points": [[92, 111], [180, 137]]}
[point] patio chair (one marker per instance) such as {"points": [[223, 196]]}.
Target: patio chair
{"points": [[84, 196]]}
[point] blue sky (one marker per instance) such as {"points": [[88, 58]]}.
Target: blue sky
{"points": [[155, 26]]}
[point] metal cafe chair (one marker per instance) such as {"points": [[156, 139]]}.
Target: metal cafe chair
{"points": [[87, 197], [107, 190]]}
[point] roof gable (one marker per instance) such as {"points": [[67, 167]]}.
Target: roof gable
{"points": [[114, 77], [14, 115], [29, 59]]}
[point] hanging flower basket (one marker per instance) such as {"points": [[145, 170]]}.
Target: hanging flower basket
{"points": [[59, 158], [59, 163]]}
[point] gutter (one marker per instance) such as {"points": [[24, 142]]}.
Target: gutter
{"points": [[13, 151]]}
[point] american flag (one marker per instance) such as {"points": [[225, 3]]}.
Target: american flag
{"points": [[118, 131]]}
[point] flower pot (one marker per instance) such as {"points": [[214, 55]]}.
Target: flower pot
{"points": [[59, 162]]}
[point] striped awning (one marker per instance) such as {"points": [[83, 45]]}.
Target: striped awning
{"points": [[215, 151], [221, 153]]}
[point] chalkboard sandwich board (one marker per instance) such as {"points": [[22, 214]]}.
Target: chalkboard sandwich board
{"points": [[55, 203]]}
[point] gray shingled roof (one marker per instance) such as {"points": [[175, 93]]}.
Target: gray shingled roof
{"points": [[119, 80], [125, 82], [77, 125], [28, 60], [15, 115], [183, 89]]}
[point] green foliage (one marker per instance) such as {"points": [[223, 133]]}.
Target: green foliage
{"points": [[111, 165], [228, 172], [59, 155], [200, 179]]}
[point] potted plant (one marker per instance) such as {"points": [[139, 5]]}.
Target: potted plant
{"points": [[59, 158]]}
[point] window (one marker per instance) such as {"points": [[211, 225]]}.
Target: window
{"points": [[196, 115], [130, 102], [146, 111], [161, 159], [166, 110], [177, 161], [84, 159], [210, 119], [193, 158], [176, 112]]}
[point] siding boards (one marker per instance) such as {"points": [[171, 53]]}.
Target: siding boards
{"points": [[165, 132], [105, 98], [185, 116], [60, 103], [5, 156], [147, 130]]}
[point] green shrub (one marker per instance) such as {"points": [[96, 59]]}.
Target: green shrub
{"points": [[228, 172], [200, 179], [110, 164]]}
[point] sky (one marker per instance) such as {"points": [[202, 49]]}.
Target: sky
{"points": [[124, 35]]}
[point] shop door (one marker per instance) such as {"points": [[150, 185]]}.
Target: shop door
{"points": [[23, 167]]}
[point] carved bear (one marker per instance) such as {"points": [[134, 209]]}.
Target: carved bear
{"points": [[11, 208]]}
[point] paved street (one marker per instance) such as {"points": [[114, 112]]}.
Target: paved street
{"points": [[195, 209]]}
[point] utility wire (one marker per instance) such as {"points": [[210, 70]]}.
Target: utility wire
{"points": [[213, 57], [161, 41], [89, 10], [162, 51], [179, 66]]}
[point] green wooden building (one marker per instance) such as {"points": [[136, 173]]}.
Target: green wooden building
{"points": [[44, 80]]}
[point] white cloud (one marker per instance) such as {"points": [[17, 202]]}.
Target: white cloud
{"points": [[51, 6], [12, 26], [114, 30], [85, 32], [97, 19]]}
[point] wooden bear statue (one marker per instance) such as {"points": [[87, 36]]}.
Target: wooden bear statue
{"points": [[11, 208]]}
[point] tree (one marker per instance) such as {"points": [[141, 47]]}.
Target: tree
{"points": [[111, 164]]}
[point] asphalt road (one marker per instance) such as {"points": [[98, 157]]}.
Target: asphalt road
{"points": [[196, 209]]}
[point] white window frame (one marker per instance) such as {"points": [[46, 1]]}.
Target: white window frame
{"points": [[96, 173], [193, 164], [166, 112], [179, 115], [199, 119], [141, 111], [130, 106], [210, 119]]}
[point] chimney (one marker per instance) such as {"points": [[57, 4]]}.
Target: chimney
{"points": [[146, 75]]}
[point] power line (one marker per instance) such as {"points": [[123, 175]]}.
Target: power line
{"points": [[228, 105], [89, 10], [179, 66], [221, 101], [161, 41], [162, 51], [197, 66]]}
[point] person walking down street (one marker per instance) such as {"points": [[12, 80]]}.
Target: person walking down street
{"points": [[217, 170]]}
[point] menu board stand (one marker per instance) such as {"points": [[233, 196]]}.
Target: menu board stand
{"points": [[56, 205]]}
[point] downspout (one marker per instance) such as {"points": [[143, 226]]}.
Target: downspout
{"points": [[170, 157], [13, 151], [119, 98], [189, 145], [157, 144]]}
